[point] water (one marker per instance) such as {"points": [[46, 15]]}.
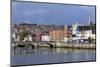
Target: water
{"points": [[47, 55]]}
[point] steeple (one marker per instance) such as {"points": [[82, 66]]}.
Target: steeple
{"points": [[66, 27], [89, 21]]}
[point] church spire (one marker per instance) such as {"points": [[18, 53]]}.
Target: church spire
{"points": [[89, 21]]}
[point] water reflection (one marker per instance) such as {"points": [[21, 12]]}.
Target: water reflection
{"points": [[26, 56], [40, 51]]}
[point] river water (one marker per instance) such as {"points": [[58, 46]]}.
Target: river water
{"points": [[24, 56]]}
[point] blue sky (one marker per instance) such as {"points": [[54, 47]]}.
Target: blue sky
{"points": [[42, 13]]}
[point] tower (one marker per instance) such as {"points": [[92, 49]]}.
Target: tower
{"points": [[65, 30], [74, 28], [66, 27], [89, 21]]}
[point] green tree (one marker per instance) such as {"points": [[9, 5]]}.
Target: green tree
{"points": [[23, 34], [89, 40]]}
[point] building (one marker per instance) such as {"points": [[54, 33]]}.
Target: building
{"points": [[84, 31], [45, 38], [59, 34], [87, 31]]}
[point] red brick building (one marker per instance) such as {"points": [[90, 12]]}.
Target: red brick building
{"points": [[59, 35]]}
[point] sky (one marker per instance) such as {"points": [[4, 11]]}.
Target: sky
{"points": [[50, 13]]}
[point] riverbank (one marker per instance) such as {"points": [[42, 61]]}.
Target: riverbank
{"points": [[77, 46], [69, 45], [57, 45]]}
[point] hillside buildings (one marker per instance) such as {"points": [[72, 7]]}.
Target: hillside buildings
{"points": [[37, 33]]}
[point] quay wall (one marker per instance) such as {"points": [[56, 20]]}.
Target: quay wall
{"points": [[62, 45]]}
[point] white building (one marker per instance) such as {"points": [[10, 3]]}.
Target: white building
{"points": [[84, 31], [30, 38], [15, 37], [85, 34], [46, 38]]}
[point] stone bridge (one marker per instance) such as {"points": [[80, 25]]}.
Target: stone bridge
{"points": [[33, 44]]}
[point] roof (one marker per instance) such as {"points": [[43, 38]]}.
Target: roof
{"points": [[87, 27], [84, 27]]}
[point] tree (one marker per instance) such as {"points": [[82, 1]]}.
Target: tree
{"points": [[89, 40], [23, 34]]}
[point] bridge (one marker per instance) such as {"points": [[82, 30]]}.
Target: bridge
{"points": [[33, 45], [50, 44]]}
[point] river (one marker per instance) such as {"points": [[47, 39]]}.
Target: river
{"points": [[24, 56]]}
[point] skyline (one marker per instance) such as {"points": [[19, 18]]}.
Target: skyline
{"points": [[49, 13]]}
